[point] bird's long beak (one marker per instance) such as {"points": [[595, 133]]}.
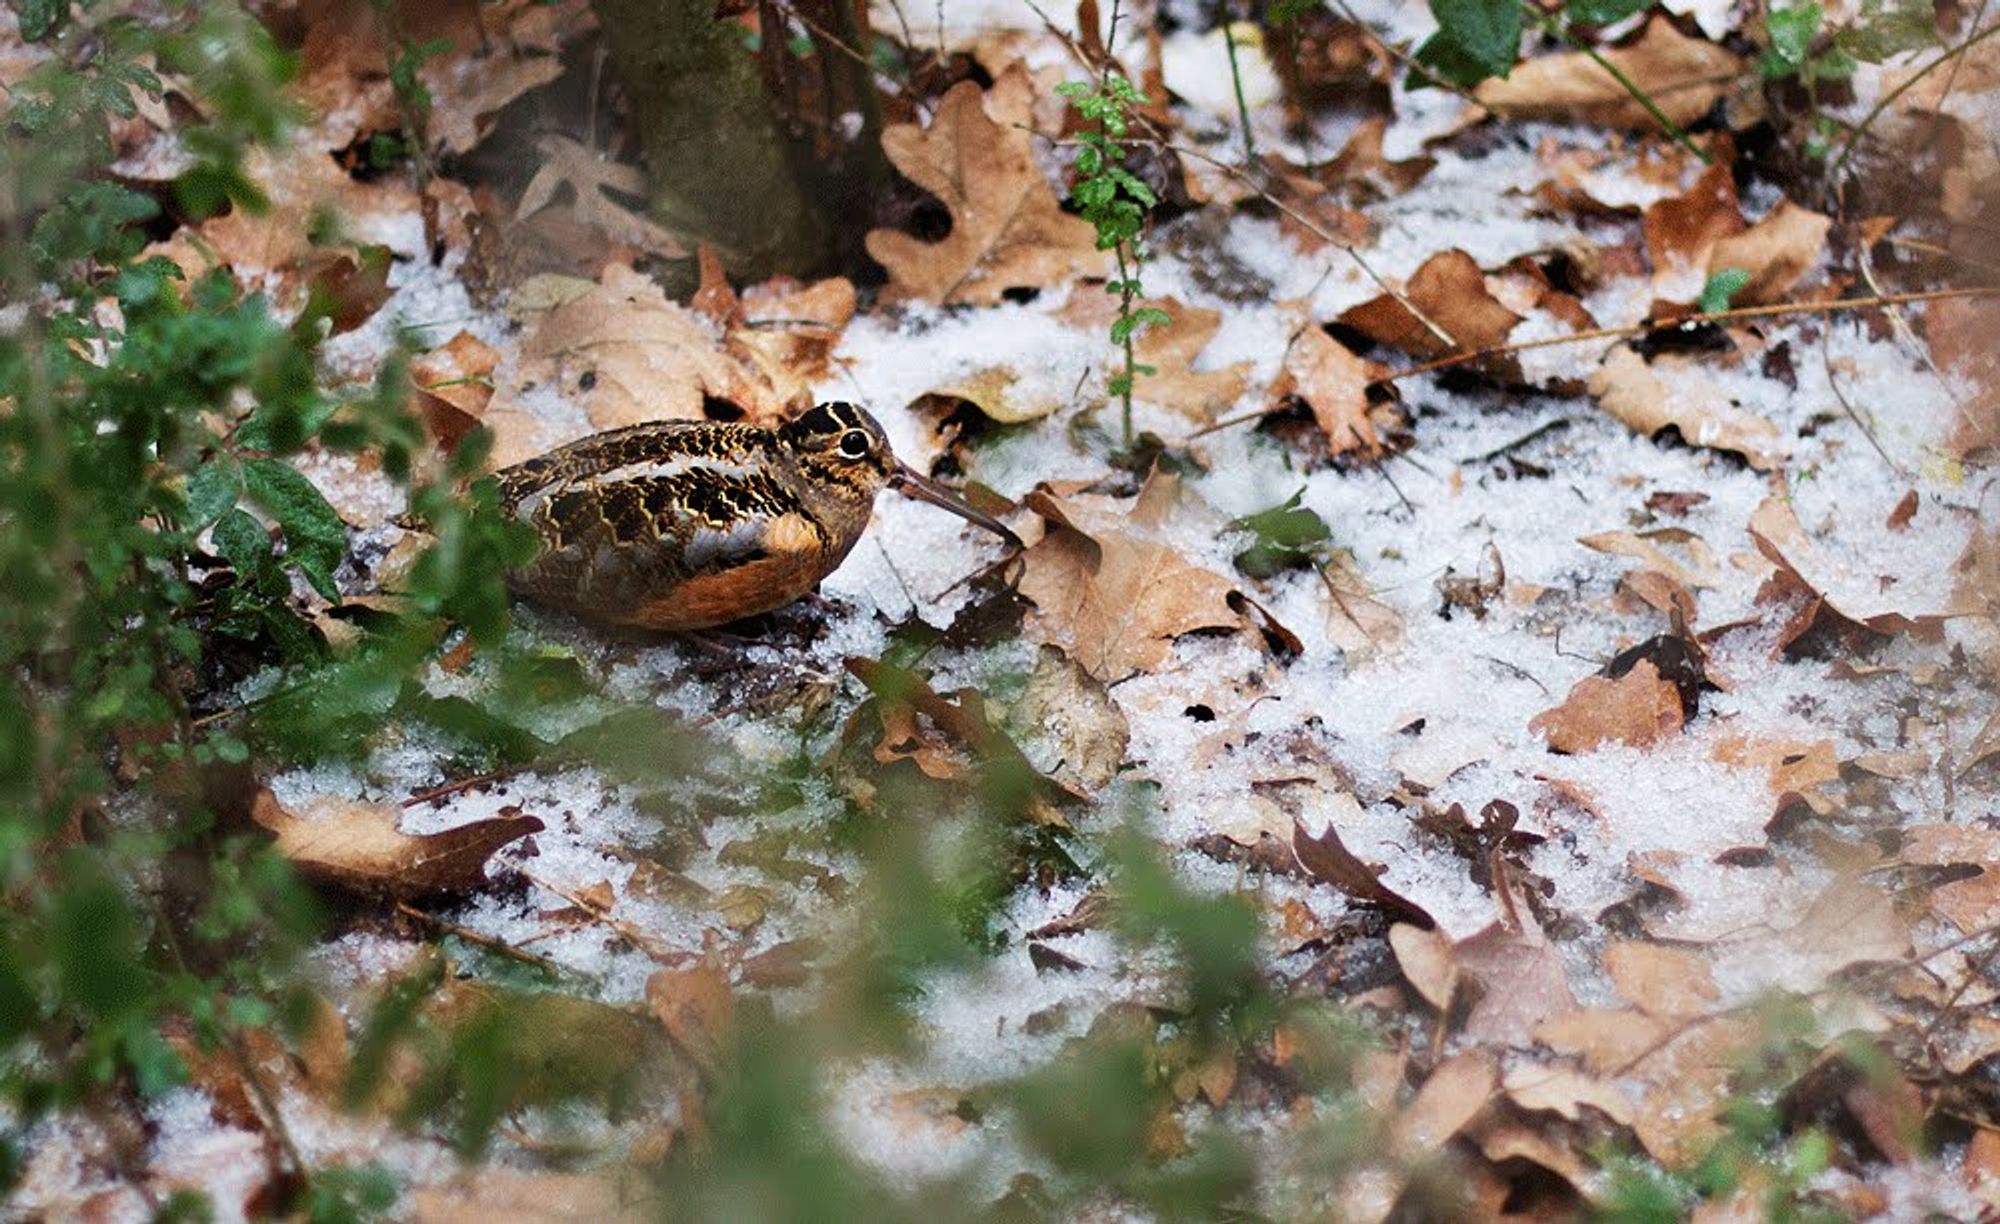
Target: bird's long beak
{"points": [[913, 483]]}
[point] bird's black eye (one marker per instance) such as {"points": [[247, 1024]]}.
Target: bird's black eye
{"points": [[854, 444]]}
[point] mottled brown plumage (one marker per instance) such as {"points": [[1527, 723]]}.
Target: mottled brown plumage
{"points": [[690, 524]]}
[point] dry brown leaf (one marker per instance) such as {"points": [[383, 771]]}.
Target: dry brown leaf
{"points": [[1008, 229], [1643, 398], [1684, 77], [1172, 351], [1777, 252], [1451, 293], [995, 391], [1331, 862], [452, 385], [1452, 1096], [1671, 983], [1964, 338], [1971, 904], [1565, 1090], [1682, 231], [1797, 769], [301, 184], [1694, 569], [788, 331], [1424, 956], [1860, 597], [1109, 591], [1324, 375], [1071, 711], [630, 355], [1638, 709], [696, 1008], [357, 845], [589, 175], [493, 1192]]}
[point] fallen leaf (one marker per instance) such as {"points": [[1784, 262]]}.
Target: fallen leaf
{"points": [[452, 385], [1964, 337], [1683, 76], [1971, 904], [1671, 983], [1670, 392], [1682, 231], [1332, 381], [1777, 252], [1559, 1089], [302, 185], [1331, 862], [1637, 709], [629, 356], [590, 176], [493, 1192], [1454, 1093], [1450, 291], [1797, 769], [1008, 229], [357, 845], [1171, 350], [1844, 581], [1071, 713], [696, 1008], [788, 332], [1109, 590]]}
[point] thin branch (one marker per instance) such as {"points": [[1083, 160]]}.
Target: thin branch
{"points": [[1638, 95], [474, 937]]}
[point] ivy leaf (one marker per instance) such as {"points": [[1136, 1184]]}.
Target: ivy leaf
{"points": [[212, 490], [1287, 536], [1721, 286], [315, 537], [1792, 30], [1603, 12], [40, 18], [1476, 39]]}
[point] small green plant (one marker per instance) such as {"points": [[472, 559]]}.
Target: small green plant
{"points": [[1114, 200], [1287, 536], [1722, 285], [1802, 49], [1477, 39]]}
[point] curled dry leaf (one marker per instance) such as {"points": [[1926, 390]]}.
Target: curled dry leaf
{"points": [[1451, 293], [1683, 76], [1649, 398], [1332, 381], [357, 846], [1638, 709], [1108, 590], [1171, 350], [1008, 230], [1331, 862], [1682, 231], [1852, 586], [451, 386], [696, 1008], [1971, 904]]}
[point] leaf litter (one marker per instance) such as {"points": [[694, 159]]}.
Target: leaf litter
{"points": [[1596, 969]]}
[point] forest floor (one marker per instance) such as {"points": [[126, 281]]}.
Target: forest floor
{"points": [[1654, 672]]}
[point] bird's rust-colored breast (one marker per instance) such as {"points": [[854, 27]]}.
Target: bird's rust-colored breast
{"points": [[795, 558]]}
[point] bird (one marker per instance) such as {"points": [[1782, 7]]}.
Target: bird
{"points": [[683, 526]]}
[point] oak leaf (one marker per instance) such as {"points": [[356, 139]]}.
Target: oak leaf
{"points": [[1108, 590], [589, 176], [1648, 398], [1008, 229], [1777, 252], [1450, 293], [358, 846], [1332, 381], [630, 355], [451, 386], [1683, 76], [1171, 350], [1638, 709]]}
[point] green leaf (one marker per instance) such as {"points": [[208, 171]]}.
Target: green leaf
{"points": [[1602, 12], [315, 536], [212, 490], [1476, 39], [40, 18], [1721, 286], [1889, 27], [1792, 30]]}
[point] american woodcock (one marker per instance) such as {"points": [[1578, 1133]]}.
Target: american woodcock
{"points": [[685, 525]]}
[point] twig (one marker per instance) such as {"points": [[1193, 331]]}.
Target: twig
{"points": [[1853, 414], [1546, 427], [1236, 78], [474, 937], [463, 784], [624, 930]]}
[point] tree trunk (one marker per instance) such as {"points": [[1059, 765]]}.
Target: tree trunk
{"points": [[719, 166]]}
